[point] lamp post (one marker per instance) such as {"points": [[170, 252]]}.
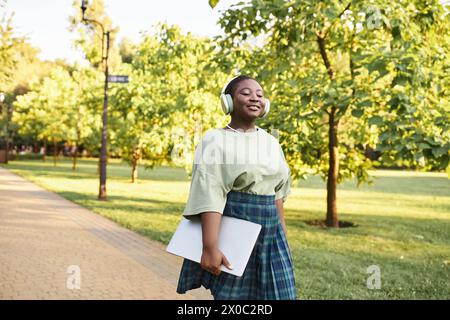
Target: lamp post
{"points": [[103, 150], [2, 98]]}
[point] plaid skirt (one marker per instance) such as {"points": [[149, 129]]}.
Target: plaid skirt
{"points": [[269, 273]]}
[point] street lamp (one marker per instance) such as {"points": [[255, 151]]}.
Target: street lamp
{"points": [[2, 98], [105, 54]]}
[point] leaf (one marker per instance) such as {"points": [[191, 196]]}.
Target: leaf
{"points": [[305, 100], [376, 120], [401, 80], [380, 66], [365, 103], [357, 113], [422, 145], [371, 67], [396, 34], [213, 3], [431, 141], [437, 152], [393, 102]]}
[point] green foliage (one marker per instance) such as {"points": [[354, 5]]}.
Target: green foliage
{"points": [[89, 36], [386, 79], [127, 50], [9, 44], [47, 109], [213, 3], [85, 121], [171, 93]]}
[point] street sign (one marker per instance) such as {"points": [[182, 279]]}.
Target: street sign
{"points": [[118, 79]]}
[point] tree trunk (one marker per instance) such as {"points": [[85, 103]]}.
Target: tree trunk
{"points": [[75, 156], [7, 150], [45, 150], [78, 138], [134, 164], [55, 152], [333, 162], [99, 164], [333, 170], [134, 172]]}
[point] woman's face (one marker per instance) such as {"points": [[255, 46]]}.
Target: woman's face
{"points": [[248, 100]]}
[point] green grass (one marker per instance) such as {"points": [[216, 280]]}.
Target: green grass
{"points": [[403, 224]]}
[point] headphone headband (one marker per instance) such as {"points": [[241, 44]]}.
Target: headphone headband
{"points": [[226, 85]]}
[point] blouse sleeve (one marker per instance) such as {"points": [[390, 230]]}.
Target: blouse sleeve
{"points": [[283, 189], [210, 182]]}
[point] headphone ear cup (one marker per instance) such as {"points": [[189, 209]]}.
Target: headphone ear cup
{"points": [[266, 108], [224, 103], [230, 103], [227, 103]]}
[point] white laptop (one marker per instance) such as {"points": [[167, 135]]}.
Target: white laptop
{"points": [[237, 239]]}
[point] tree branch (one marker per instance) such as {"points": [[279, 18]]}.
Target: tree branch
{"points": [[323, 53], [325, 32]]}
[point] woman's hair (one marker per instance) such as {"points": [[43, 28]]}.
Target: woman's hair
{"points": [[231, 87]]}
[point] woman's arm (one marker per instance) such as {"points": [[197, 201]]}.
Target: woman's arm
{"points": [[212, 257], [279, 204], [210, 229]]}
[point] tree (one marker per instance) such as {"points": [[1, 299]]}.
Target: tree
{"points": [[89, 37], [347, 66], [9, 59], [169, 88], [8, 45], [127, 50], [85, 121], [47, 109]]}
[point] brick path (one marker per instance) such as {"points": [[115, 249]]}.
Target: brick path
{"points": [[42, 235]]}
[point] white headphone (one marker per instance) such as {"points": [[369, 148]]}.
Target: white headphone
{"points": [[227, 101]]}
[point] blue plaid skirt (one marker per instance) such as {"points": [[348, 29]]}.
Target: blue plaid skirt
{"points": [[269, 273]]}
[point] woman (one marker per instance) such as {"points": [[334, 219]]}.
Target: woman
{"points": [[240, 171]]}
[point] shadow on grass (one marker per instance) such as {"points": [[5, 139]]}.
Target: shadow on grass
{"points": [[88, 169], [45, 170], [414, 185], [395, 228], [121, 203], [322, 223]]}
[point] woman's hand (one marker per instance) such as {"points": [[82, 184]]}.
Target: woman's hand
{"points": [[212, 259]]}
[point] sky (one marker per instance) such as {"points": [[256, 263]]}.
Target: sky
{"points": [[46, 22]]}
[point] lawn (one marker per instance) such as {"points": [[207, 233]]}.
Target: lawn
{"points": [[402, 224]]}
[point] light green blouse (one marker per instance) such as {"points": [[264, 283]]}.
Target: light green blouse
{"points": [[227, 161]]}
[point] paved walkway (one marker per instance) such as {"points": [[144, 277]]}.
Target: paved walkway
{"points": [[49, 246]]}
